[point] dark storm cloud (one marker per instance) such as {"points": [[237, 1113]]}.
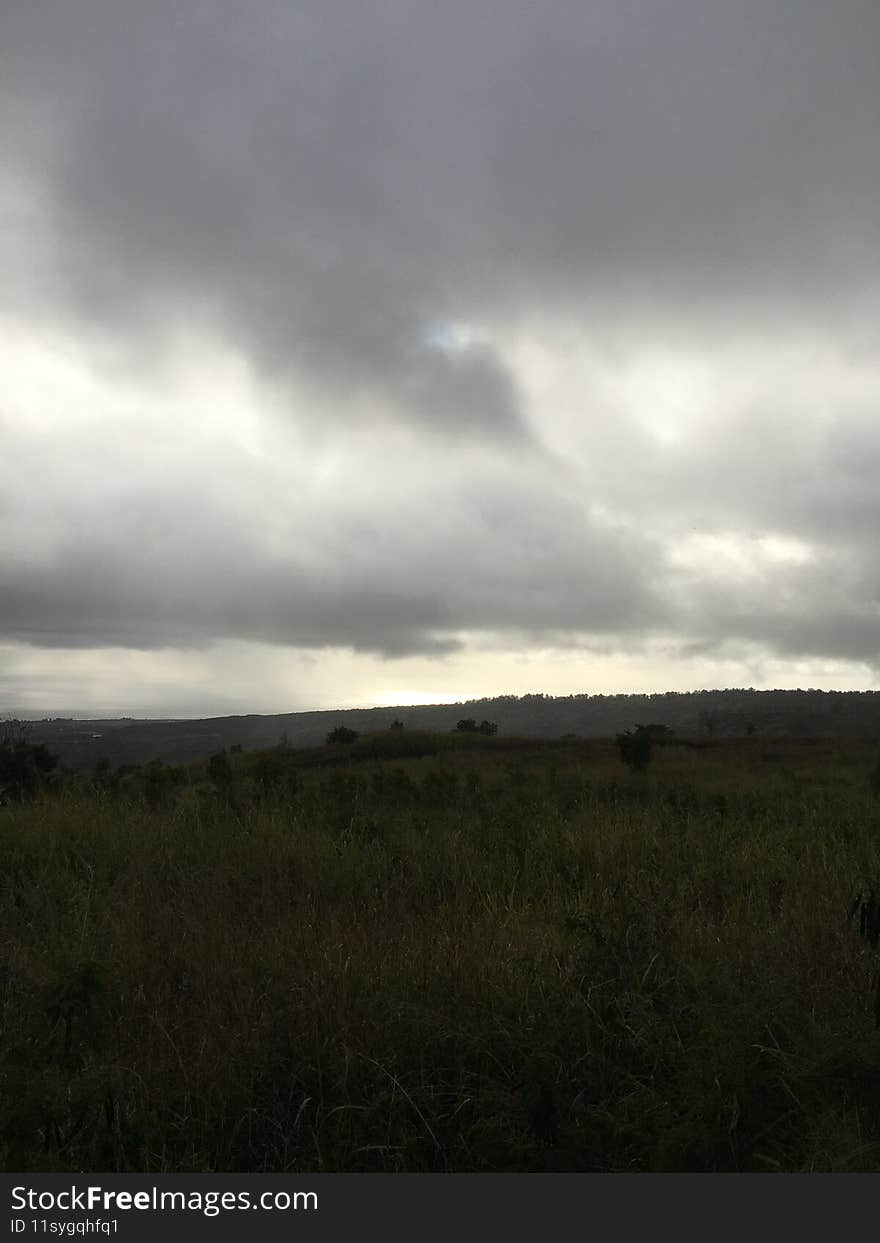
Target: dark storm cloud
{"points": [[327, 182]]}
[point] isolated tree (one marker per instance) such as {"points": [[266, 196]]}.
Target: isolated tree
{"points": [[635, 747], [396, 724], [342, 734], [488, 728]]}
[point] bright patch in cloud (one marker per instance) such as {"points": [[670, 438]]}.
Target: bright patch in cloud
{"points": [[735, 555], [449, 338]]}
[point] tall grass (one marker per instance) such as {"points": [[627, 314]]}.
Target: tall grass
{"points": [[485, 959]]}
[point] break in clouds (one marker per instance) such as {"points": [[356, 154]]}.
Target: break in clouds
{"points": [[419, 329]]}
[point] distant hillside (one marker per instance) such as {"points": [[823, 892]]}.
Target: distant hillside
{"points": [[717, 713]]}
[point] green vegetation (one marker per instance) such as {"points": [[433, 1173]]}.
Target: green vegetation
{"points": [[446, 951]]}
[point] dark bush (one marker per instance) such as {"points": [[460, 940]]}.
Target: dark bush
{"points": [[219, 769], [635, 748], [342, 734], [268, 770], [470, 726]]}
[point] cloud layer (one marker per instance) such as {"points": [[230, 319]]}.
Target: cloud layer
{"points": [[386, 325]]}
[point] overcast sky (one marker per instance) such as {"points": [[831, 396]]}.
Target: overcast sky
{"points": [[379, 351]]}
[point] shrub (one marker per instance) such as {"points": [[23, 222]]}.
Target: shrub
{"points": [[635, 747], [470, 726], [219, 769], [342, 734], [269, 771]]}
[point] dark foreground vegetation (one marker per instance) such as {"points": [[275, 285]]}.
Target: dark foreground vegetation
{"points": [[445, 952]]}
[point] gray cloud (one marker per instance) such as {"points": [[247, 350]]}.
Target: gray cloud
{"points": [[365, 201], [419, 563], [491, 549], [326, 182]]}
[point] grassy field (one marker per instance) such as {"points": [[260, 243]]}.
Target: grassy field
{"points": [[423, 954]]}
